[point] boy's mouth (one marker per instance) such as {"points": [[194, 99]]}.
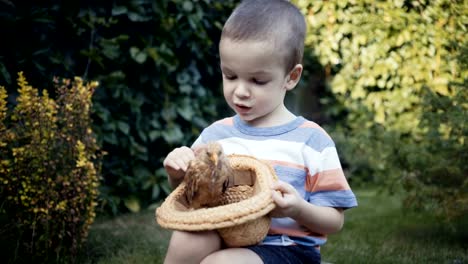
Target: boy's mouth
{"points": [[242, 108]]}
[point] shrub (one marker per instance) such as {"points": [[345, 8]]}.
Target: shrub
{"points": [[49, 165], [392, 64], [435, 171]]}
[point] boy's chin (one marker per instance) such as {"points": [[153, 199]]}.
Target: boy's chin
{"points": [[252, 120], [245, 118]]}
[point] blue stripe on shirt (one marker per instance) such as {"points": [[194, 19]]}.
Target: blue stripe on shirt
{"points": [[314, 138], [342, 199], [294, 176]]}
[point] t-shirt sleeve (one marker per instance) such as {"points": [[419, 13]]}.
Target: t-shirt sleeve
{"points": [[198, 142], [326, 184]]}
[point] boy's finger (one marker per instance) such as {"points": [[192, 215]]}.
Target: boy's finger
{"points": [[172, 165], [282, 187], [278, 199], [187, 157]]}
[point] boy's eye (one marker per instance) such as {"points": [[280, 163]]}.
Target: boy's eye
{"points": [[230, 77], [259, 82]]}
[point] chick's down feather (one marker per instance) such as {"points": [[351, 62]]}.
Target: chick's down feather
{"points": [[207, 177]]}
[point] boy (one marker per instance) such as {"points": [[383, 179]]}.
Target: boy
{"points": [[261, 50]]}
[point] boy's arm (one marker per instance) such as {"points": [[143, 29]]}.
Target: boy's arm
{"points": [[319, 219]]}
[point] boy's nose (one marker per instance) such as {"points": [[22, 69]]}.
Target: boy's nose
{"points": [[242, 90]]}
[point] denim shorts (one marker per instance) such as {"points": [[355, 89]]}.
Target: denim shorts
{"points": [[286, 254]]}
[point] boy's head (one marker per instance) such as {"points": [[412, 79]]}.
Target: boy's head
{"points": [[276, 21], [260, 57]]}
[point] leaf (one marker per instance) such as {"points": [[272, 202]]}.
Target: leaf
{"points": [[134, 51], [119, 10], [169, 113], [111, 51], [183, 78], [185, 88], [380, 115], [141, 172], [111, 139], [156, 191], [141, 57], [440, 85], [188, 6], [160, 173], [166, 188], [135, 17], [124, 127], [142, 135], [155, 123], [4, 72], [339, 85], [173, 135], [137, 55], [154, 134], [132, 204], [186, 110]]}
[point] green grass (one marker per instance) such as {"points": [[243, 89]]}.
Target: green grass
{"points": [[133, 238], [378, 231]]}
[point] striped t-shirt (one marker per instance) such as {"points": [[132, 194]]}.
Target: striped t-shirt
{"points": [[302, 154]]}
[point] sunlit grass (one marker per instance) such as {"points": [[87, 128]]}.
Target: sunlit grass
{"points": [[378, 231], [381, 231]]}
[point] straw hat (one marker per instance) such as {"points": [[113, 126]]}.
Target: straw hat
{"points": [[242, 219]]}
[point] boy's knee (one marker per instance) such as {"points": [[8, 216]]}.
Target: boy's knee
{"points": [[191, 247], [195, 240], [217, 257], [232, 255]]}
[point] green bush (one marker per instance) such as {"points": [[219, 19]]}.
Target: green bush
{"points": [[435, 172], [391, 63], [158, 69], [49, 169]]}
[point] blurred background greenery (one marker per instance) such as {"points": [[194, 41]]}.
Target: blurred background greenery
{"points": [[387, 79]]}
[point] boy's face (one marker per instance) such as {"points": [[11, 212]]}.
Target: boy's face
{"points": [[254, 81]]}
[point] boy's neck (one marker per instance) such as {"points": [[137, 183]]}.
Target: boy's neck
{"points": [[281, 118]]}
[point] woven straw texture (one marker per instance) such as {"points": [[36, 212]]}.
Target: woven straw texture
{"points": [[246, 234], [241, 219]]}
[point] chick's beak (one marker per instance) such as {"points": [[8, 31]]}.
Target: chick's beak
{"points": [[214, 159]]}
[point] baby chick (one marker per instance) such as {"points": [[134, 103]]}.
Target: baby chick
{"points": [[207, 177]]}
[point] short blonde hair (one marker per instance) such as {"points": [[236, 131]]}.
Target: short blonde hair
{"points": [[271, 20]]}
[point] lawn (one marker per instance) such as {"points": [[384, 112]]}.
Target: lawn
{"points": [[378, 231]]}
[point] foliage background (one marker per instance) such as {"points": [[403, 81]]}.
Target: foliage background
{"points": [[157, 65], [397, 74], [388, 78]]}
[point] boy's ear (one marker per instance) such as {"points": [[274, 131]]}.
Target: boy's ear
{"points": [[293, 77]]}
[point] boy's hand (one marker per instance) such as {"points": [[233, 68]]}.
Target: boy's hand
{"points": [[287, 199], [176, 163]]}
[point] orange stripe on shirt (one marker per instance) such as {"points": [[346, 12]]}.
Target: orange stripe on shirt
{"points": [[286, 164], [229, 121], [329, 180], [311, 124]]}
